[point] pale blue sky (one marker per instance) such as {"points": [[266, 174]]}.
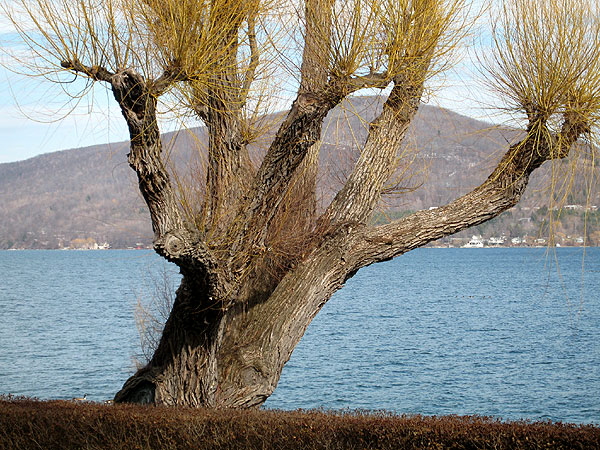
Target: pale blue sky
{"points": [[30, 116], [31, 119], [31, 111]]}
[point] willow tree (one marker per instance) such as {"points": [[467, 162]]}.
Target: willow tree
{"points": [[258, 257]]}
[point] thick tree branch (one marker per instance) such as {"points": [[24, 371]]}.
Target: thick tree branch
{"points": [[298, 133], [373, 80], [138, 106], [171, 75], [315, 67], [137, 99], [376, 164], [229, 170], [351, 84], [96, 73], [250, 74], [501, 191]]}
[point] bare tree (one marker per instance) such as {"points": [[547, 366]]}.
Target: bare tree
{"points": [[258, 257]]}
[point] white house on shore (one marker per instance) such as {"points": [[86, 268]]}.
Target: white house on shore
{"points": [[475, 242]]}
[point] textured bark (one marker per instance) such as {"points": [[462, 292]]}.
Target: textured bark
{"points": [[377, 162], [231, 354], [229, 168], [138, 106], [257, 263], [300, 132], [261, 265], [216, 358], [182, 370]]}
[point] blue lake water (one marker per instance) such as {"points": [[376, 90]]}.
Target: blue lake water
{"points": [[513, 333]]}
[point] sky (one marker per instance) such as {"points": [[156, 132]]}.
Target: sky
{"points": [[36, 117]]}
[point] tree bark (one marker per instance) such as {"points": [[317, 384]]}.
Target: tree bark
{"points": [[182, 370], [230, 355], [233, 358], [263, 267]]}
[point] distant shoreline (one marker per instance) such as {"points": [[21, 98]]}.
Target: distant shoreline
{"points": [[429, 246]]}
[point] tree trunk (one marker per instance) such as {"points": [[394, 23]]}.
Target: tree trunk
{"points": [[183, 367], [233, 358], [254, 279], [230, 352]]}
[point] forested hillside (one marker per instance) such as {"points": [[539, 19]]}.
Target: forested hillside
{"points": [[86, 197]]}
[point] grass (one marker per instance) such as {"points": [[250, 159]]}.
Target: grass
{"points": [[31, 424]]}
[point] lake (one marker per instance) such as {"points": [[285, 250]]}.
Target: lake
{"points": [[506, 332]]}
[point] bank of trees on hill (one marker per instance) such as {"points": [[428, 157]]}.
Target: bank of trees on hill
{"points": [[259, 255]]}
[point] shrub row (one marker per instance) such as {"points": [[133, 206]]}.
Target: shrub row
{"points": [[30, 424]]}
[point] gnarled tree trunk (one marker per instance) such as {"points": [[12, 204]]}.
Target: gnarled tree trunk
{"points": [[258, 258], [231, 353], [262, 263]]}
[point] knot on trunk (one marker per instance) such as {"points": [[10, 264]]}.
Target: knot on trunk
{"points": [[174, 245], [133, 95]]}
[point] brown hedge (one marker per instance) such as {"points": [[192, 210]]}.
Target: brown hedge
{"points": [[30, 424]]}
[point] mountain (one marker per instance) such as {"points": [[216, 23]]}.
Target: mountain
{"points": [[82, 197]]}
